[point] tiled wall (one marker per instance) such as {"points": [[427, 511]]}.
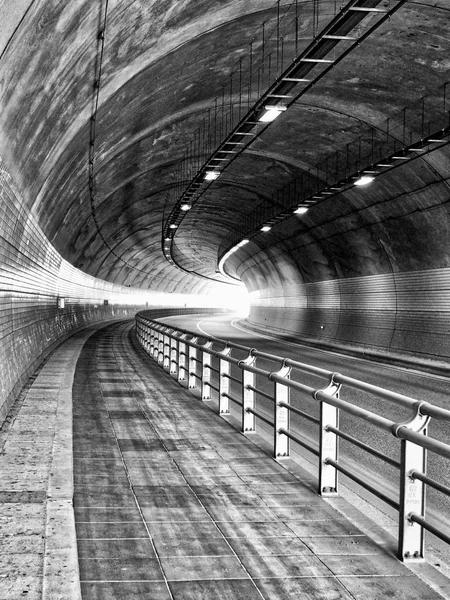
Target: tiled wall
{"points": [[33, 276], [402, 312]]}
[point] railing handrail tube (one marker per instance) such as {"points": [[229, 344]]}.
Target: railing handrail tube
{"points": [[298, 441], [297, 411], [261, 393], [256, 370], [431, 482], [295, 364], [356, 411], [411, 432], [260, 416], [364, 484], [296, 385], [404, 433], [415, 518], [363, 446], [400, 399], [442, 414], [380, 392]]}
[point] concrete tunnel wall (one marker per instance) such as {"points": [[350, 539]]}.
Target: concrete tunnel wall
{"points": [[33, 278], [366, 266], [376, 274]]}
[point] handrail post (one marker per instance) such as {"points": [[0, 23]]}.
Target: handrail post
{"points": [[153, 337], [139, 330], [160, 347], [412, 491], [144, 335], [281, 442], [192, 362], [174, 355], [328, 442], [206, 371], [224, 381], [149, 334], [248, 395], [142, 330], [166, 350], [182, 358], [150, 341]]}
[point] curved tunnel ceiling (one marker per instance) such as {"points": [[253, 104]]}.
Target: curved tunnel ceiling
{"points": [[162, 66]]}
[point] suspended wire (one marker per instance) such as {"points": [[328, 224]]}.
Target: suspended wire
{"points": [[101, 33]]}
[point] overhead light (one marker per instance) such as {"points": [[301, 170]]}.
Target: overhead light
{"points": [[242, 243], [301, 210], [272, 112], [173, 226], [364, 180], [185, 207], [167, 239], [266, 228], [211, 175]]}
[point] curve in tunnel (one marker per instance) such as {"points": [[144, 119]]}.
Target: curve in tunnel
{"points": [[365, 266]]}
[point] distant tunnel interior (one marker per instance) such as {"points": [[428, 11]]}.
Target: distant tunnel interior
{"points": [[195, 154]]}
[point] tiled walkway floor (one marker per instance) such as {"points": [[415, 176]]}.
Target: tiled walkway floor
{"points": [[171, 502]]}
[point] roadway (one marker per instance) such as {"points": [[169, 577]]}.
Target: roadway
{"points": [[413, 383]]}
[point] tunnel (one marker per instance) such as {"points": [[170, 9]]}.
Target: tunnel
{"points": [[285, 159]]}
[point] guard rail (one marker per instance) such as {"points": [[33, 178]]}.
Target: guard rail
{"points": [[190, 362]]}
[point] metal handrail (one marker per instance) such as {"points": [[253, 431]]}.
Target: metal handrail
{"points": [[412, 433], [260, 416], [299, 412], [363, 446], [431, 482]]}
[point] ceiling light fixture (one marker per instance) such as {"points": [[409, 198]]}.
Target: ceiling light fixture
{"points": [[364, 180], [211, 175], [301, 210], [185, 207], [173, 226], [266, 228], [272, 112]]}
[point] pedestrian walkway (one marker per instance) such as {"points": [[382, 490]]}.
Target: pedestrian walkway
{"points": [[171, 502], [38, 553]]}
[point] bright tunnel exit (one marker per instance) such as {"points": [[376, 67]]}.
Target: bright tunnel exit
{"points": [[231, 297]]}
